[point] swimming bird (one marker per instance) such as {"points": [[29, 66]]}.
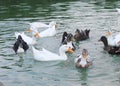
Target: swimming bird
{"points": [[83, 60], [27, 39], [35, 26], [51, 31], [20, 45], [45, 55], [81, 35], [39, 25], [110, 49], [113, 40], [68, 38]]}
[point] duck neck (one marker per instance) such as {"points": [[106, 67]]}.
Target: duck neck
{"points": [[52, 26], [105, 43], [62, 54], [106, 46]]}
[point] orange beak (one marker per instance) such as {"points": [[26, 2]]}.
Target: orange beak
{"points": [[108, 33], [37, 35], [29, 30], [70, 50]]}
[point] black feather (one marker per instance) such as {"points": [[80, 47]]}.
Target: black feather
{"points": [[20, 43], [81, 35]]}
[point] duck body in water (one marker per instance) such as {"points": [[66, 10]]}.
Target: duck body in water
{"points": [[81, 35], [110, 49], [83, 60], [20, 44]]}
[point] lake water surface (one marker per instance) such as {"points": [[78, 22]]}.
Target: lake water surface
{"points": [[23, 70]]}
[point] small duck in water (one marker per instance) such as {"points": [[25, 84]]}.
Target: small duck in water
{"points": [[83, 61]]}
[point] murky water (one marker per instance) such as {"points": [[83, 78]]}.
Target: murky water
{"points": [[22, 70]]}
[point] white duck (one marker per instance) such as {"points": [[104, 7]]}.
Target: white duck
{"points": [[51, 31], [35, 26], [45, 55], [29, 40], [113, 40]]}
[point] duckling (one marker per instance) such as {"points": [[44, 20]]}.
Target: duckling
{"points": [[110, 49], [83, 61], [20, 43], [81, 35]]}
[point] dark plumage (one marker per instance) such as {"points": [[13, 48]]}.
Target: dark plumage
{"points": [[111, 49], [81, 35], [67, 37], [20, 43], [64, 38]]}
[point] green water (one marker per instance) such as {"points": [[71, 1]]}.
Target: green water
{"points": [[23, 70]]}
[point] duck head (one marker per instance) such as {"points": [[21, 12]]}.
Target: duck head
{"points": [[53, 23], [84, 53], [105, 42], [66, 48], [77, 31], [70, 37], [77, 35]]}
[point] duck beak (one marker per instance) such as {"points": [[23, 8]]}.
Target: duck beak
{"points": [[70, 50], [108, 33], [29, 30], [37, 35]]}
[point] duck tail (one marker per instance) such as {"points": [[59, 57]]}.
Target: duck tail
{"points": [[87, 32]]}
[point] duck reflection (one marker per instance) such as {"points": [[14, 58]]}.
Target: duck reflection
{"points": [[83, 76], [19, 62]]}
